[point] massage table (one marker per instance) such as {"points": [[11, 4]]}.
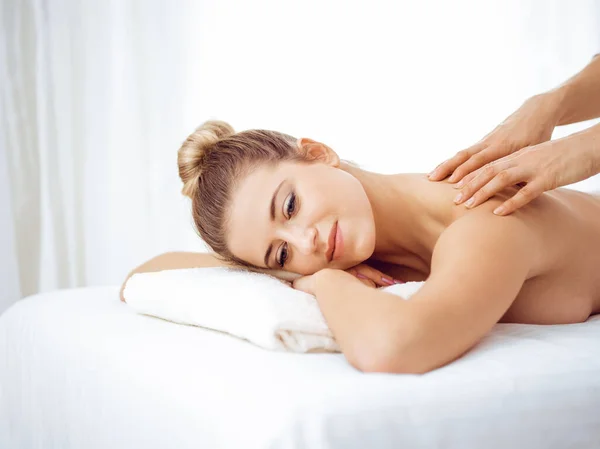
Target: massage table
{"points": [[80, 369]]}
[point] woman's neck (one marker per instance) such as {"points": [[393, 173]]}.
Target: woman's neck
{"points": [[407, 226]]}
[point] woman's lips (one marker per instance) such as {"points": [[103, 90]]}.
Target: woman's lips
{"points": [[338, 249], [331, 242]]}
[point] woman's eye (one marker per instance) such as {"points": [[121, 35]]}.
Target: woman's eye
{"points": [[291, 204], [282, 259], [291, 207]]}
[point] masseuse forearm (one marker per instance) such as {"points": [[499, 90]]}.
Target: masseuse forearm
{"points": [[578, 98], [591, 138], [359, 318]]}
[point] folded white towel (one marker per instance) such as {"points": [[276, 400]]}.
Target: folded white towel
{"points": [[255, 306]]}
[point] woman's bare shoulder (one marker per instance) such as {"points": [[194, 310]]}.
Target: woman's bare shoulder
{"points": [[439, 196], [552, 219]]}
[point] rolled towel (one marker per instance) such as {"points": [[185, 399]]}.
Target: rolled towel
{"points": [[254, 306]]}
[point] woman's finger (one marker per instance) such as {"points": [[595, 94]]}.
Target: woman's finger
{"points": [[352, 271], [367, 282], [503, 179], [526, 194], [365, 271], [379, 280], [447, 167]]}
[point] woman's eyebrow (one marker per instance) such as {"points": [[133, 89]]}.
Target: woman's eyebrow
{"points": [[268, 253]]}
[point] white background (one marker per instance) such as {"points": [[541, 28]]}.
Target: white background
{"points": [[96, 98]]}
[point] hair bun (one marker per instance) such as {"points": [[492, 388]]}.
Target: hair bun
{"points": [[191, 155]]}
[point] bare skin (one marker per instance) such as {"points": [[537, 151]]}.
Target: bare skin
{"points": [[563, 287], [519, 150]]}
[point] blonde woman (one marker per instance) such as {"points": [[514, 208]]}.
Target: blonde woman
{"points": [[267, 201]]}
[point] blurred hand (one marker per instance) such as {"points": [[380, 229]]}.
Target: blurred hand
{"points": [[531, 124], [536, 169]]}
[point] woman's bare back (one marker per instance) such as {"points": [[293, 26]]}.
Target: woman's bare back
{"points": [[564, 286], [568, 289]]}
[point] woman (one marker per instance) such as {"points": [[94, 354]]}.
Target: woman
{"points": [[267, 201]]}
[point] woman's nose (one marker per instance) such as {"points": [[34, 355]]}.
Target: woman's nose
{"points": [[304, 239]]}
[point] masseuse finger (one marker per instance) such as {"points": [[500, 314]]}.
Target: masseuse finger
{"points": [[478, 160], [498, 164], [499, 182], [467, 179], [449, 166], [528, 193], [474, 183]]}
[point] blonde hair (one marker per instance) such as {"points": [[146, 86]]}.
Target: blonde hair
{"points": [[213, 160]]}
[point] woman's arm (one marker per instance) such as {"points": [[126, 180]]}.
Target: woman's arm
{"points": [[175, 260], [478, 267]]}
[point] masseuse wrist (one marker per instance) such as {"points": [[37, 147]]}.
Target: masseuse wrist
{"points": [[552, 105], [585, 146], [558, 101], [592, 147]]}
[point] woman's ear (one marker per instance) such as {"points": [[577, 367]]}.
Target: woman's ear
{"points": [[317, 151]]}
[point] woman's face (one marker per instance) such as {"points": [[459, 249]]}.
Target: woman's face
{"points": [[309, 199]]}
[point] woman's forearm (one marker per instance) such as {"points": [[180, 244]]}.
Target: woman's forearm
{"points": [[578, 98], [364, 321]]}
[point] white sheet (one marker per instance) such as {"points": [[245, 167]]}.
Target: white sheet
{"points": [[80, 369]]}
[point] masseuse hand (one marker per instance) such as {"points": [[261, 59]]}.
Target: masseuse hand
{"points": [[530, 125], [542, 167], [519, 152]]}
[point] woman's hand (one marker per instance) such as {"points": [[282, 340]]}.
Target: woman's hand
{"points": [[539, 168], [531, 124], [307, 284], [363, 272], [371, 277]]}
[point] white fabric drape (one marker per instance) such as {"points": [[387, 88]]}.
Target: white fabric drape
{"points": [[97, 96], [9, 269], [92, 114]]}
